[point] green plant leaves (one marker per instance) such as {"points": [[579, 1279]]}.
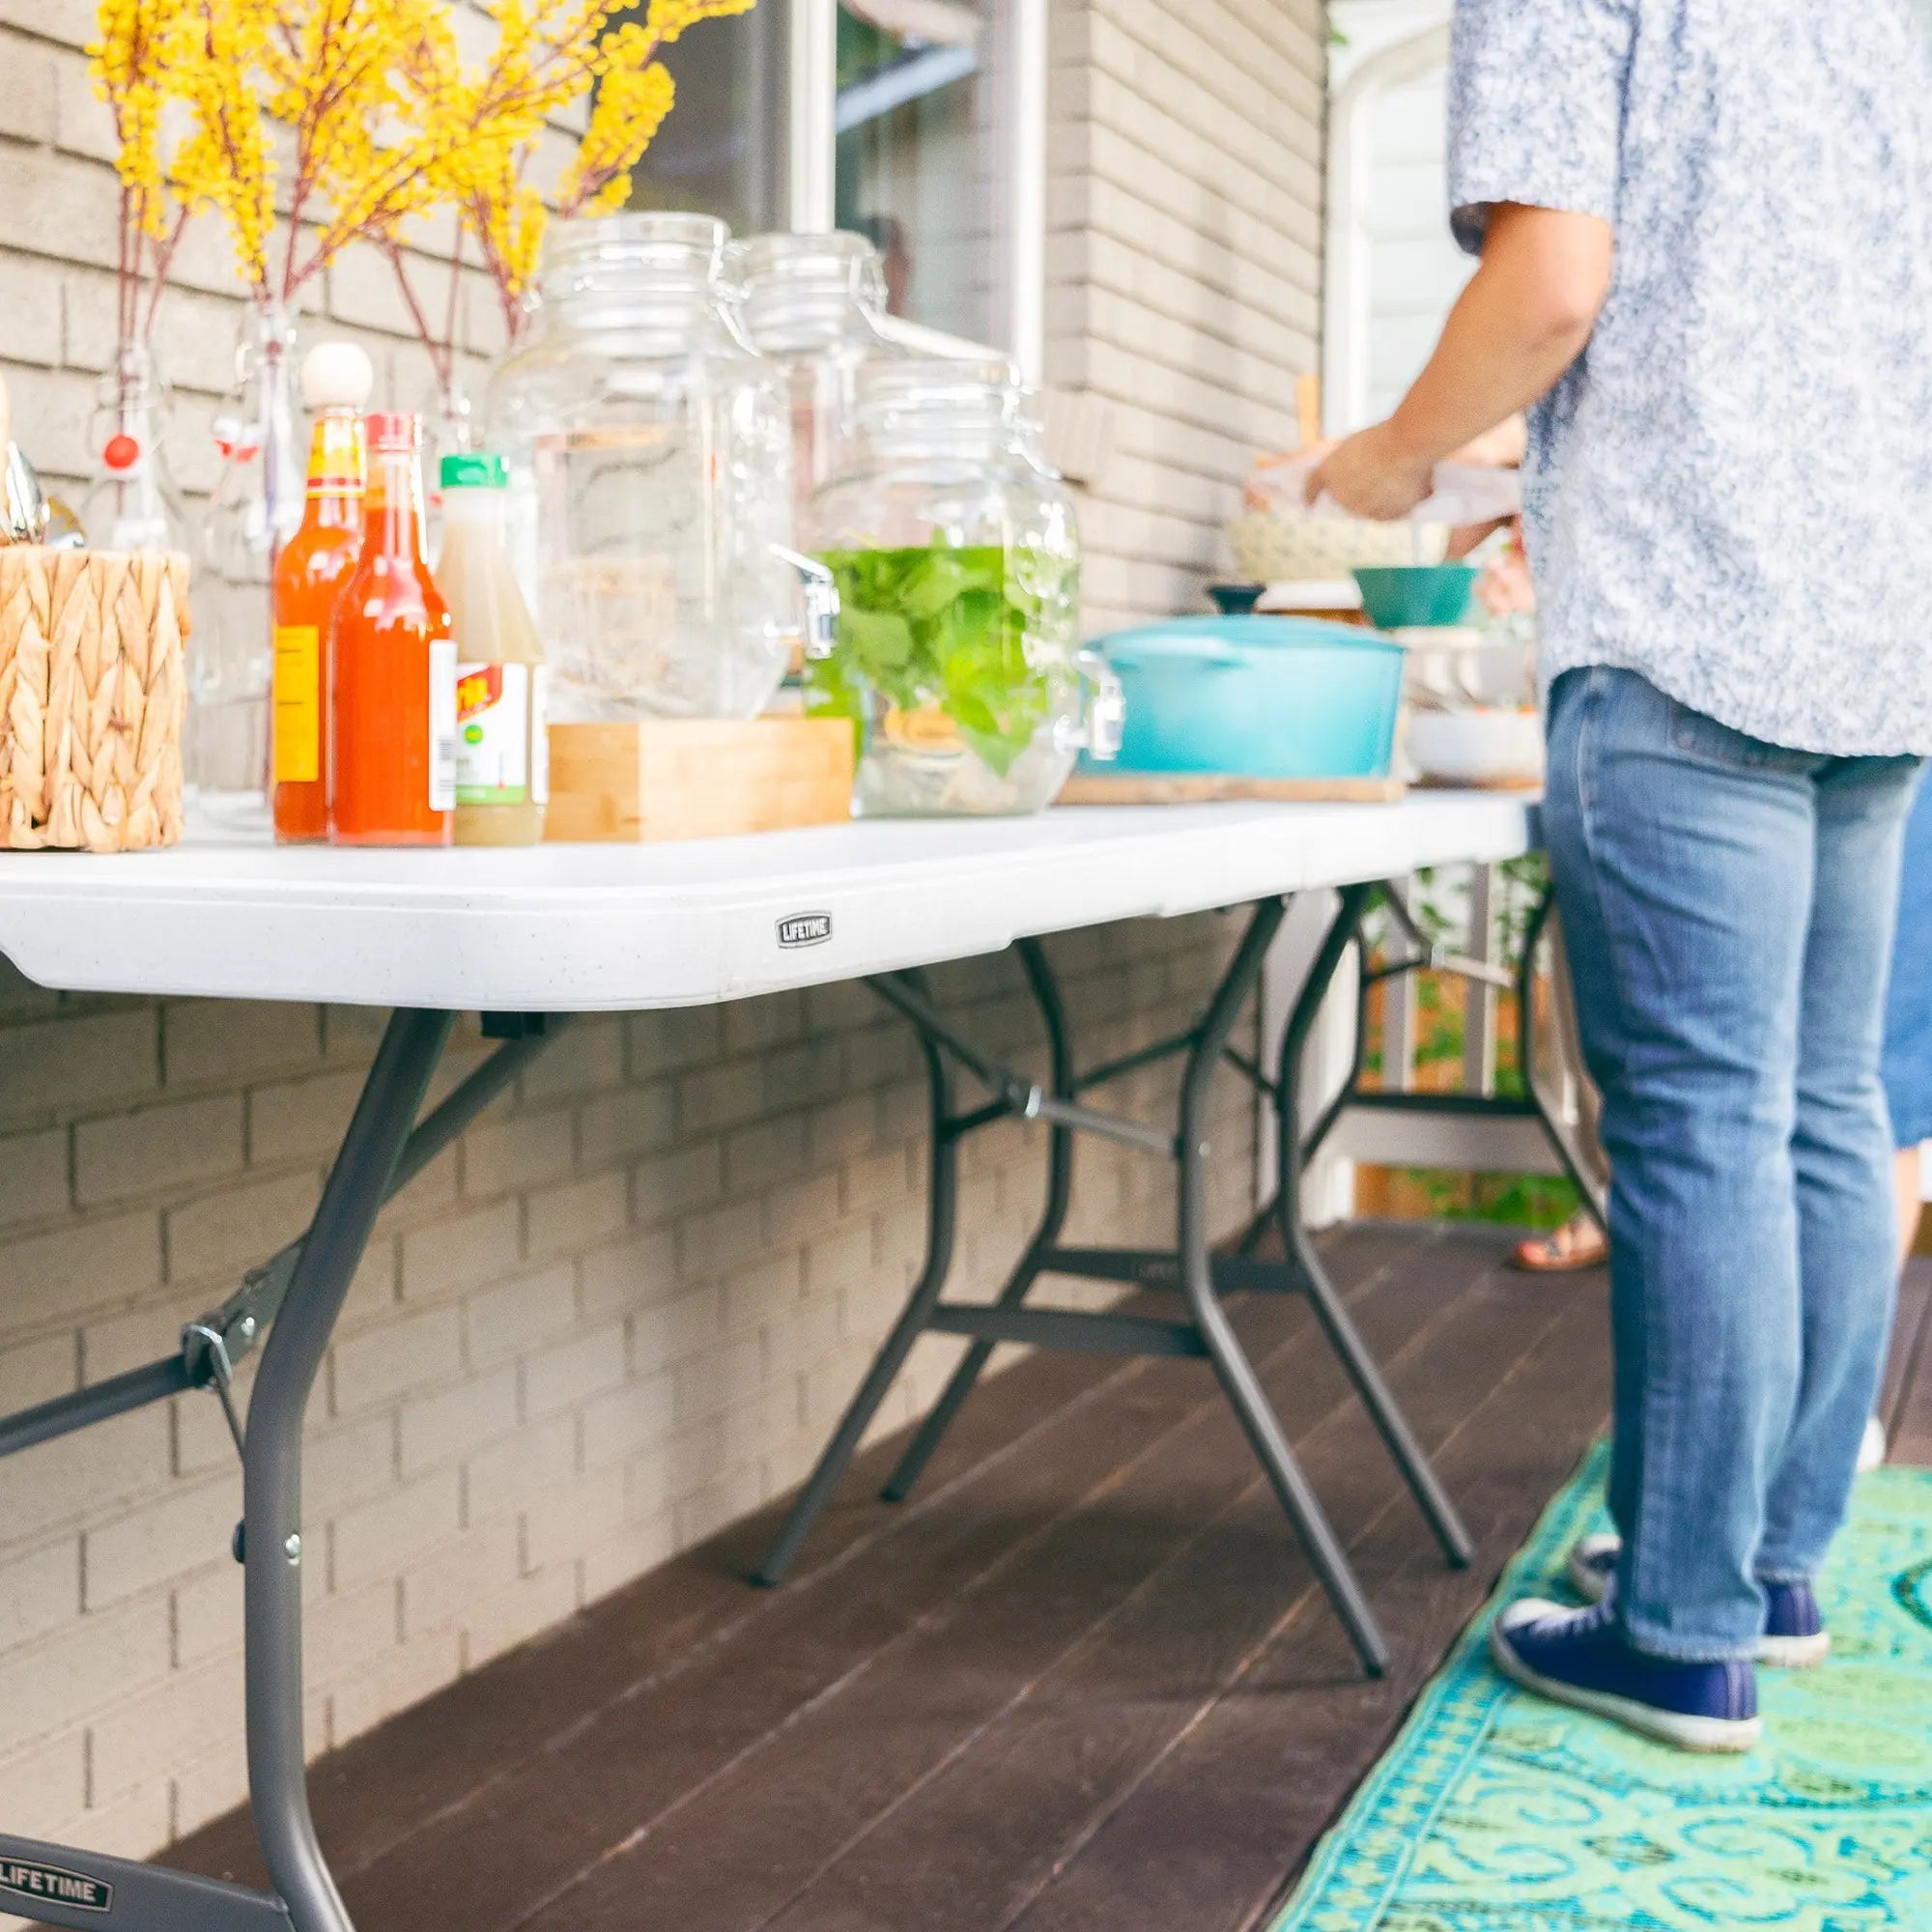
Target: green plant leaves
{"points": [[942, 626]]}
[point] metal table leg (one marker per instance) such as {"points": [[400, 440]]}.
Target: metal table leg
{"points": [[1046, 1237], [1197, 1281], [942, 1197], [271, 1484], [1191, 1271], [295, 1298], [1329, 1310]]}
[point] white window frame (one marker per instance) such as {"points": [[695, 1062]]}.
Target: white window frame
{"points": [[1020, 272]]}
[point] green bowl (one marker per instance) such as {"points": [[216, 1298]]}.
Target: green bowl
{"points": [[1420, 597]]}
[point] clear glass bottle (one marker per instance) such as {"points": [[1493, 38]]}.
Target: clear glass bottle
{"points": [[957, 563], [133, 502], [257, 509], [816, 304], [449, 428], [651, 466]]}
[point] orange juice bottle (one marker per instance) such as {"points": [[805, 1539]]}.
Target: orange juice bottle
{"points": [[392, 668], [337, 379]]}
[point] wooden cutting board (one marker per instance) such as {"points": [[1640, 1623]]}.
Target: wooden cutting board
{"points": [[1203, 788]]}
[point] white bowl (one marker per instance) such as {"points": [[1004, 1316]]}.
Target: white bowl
{"points": [[1483, 747]]}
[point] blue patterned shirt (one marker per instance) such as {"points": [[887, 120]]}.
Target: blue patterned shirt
{"points": [[1731, 492]]}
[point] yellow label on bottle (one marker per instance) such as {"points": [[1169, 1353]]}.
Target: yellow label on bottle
{"points": [[297, 704]]}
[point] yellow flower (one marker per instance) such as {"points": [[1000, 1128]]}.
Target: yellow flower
{"points": [[668, 19], [632, 102], [134, 57], [547, 56], [376, 119]]}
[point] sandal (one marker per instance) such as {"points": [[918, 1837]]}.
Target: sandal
{"points": [[1580, 1244]]}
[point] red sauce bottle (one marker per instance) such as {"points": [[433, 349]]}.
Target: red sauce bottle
{"points": [[392, 668], [309, 577]]}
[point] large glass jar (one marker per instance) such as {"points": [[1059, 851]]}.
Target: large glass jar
{"points": [[815, 305], [650, 461], [958, 564]]}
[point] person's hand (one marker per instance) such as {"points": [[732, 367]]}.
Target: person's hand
{"points": [[1258, 493], [1373, 474]]}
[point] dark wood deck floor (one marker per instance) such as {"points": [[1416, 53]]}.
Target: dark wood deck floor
{"points": [[1083, 1683]]}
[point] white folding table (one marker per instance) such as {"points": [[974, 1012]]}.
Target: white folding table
{"points": [[527, 938]]}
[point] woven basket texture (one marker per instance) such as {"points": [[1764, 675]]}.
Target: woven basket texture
{"points": [[93, 689]]}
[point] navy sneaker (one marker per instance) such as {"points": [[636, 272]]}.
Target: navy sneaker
{"points": [[1581, 1658], [1795, 1637]]}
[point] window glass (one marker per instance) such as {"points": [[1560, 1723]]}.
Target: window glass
{"points": [[721, 150], [916, 153]]}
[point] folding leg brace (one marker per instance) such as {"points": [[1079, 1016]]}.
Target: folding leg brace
{"points": [[1191, 1269], [1296, 1147], [300, 1291]]}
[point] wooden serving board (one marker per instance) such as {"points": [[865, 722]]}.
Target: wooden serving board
{"points": [[1204, 788], [1519, 784], [697, 778]]}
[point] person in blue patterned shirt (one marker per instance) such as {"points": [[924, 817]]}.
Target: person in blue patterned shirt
{"points": [[1705, 231]]}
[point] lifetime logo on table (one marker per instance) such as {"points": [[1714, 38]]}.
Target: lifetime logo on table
{"points": [[19, 1879], [805, 928]]}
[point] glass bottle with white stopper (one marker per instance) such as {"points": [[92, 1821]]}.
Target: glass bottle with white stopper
{"points": [[503, 745], [133, 504]]}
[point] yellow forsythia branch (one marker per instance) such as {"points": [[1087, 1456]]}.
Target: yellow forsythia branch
{"points": [[353, 116], [134, 59], [547, 55]]}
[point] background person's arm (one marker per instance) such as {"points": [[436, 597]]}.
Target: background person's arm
{"points": [[1525, 316]]}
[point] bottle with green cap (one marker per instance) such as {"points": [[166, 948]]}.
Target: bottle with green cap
{"points": [[502, 748]]}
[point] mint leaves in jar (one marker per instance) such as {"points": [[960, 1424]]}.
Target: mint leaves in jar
{"points": [[946, 628]]}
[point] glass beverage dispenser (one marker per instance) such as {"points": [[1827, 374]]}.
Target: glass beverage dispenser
{"points": [[958, 564], [650, 455]]}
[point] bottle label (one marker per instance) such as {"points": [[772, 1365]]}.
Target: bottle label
{"points": [[297, 687], [493, 734], [443, 725]]}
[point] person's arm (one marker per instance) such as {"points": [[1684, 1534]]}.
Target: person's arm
{"points": [[1525, 316]]}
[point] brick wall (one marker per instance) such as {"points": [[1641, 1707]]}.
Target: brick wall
{"points": [[1185, 267], [629, 1305]]}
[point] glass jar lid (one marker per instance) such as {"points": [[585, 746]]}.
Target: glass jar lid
{"points": [[609, 257], [919, 399], [797, 290]]}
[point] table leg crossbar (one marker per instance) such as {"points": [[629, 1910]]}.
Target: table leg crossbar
{"points": [[1200, 1277], [290, 1304]]}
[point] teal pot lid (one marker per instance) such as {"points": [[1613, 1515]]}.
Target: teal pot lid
{"points": [[1217, 636]]}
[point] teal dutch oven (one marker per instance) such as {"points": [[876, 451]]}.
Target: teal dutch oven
{"points": [[1261, 697]]}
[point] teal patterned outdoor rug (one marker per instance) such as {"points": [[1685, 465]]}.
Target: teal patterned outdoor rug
{"points": [[1494, 1810]]}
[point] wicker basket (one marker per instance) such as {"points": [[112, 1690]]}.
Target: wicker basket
{"points": [[1274, 547], [92, 688]]}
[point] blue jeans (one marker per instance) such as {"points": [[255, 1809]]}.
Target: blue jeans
{"points": [[1728, 906], [1907, 1067]]}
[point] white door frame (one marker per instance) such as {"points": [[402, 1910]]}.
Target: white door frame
{"points": [[812, 163], [1347, 318]]}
